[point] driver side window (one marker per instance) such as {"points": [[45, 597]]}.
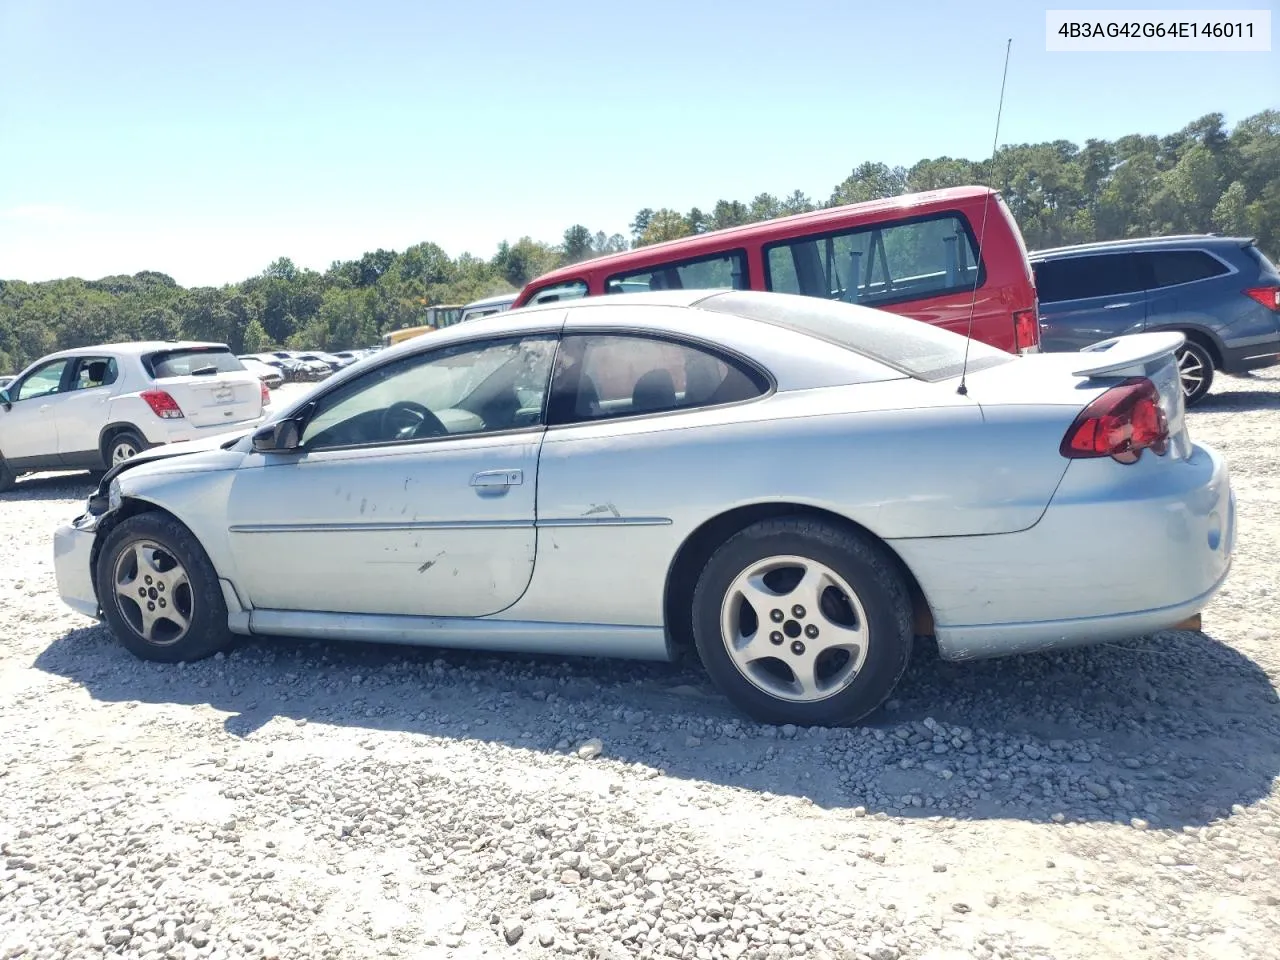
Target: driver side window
{"points": [[462, 390], [40, 382]]}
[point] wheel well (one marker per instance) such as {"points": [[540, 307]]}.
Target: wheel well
{"points": [[129, 508], [109, 433], [697, 549], [1200, 338]]}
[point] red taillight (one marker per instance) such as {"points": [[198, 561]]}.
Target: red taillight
{"points": [[162, 405], [1120, 424], [1269, 297], [266, 394], [1026, 330]]}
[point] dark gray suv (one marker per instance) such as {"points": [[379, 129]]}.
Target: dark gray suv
{"points": [[1222, 292]]}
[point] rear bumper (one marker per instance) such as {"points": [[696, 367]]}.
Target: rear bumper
{"points": [[1120, 552], [1253, 356], [72, 566]]}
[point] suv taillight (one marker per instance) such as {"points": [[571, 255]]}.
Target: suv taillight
{"points": [[1269, 297], [1026, 331], [266, 394], [162, 405], [1120, 424]]}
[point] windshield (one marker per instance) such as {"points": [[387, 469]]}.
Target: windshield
{"points": [[189, 361], [917, 349]]}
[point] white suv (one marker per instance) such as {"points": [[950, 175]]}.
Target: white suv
{"points": [[93, 407]]}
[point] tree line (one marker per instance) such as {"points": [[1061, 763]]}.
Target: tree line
{"points": [[1204, 178]]}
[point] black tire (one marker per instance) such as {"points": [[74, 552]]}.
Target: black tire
{"points": [[7, 477], [122, 439], [867, 570], [201, 604], [1195, 368]]}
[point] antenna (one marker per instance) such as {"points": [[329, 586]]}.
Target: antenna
{"points": [[963, 390]]}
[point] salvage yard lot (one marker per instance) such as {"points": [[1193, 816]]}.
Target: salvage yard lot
{"points": [[321, 800]]}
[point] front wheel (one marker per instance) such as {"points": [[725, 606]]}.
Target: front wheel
{"points": [[159, 592], [802, 621], [1195, 369]]}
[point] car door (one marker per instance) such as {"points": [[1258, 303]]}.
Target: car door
{"points": [[1088, 298], [412, 491], [598, 508], [81, 412], [28, 429]]}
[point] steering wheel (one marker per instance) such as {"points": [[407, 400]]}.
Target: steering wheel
{"points": [[406, 420]]}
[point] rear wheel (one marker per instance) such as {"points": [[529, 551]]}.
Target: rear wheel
{"points": [[159, 592], [123, 446], [1195, 369], [802, 621]]}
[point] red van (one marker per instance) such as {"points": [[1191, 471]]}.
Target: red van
{"points": [[916, 255]]}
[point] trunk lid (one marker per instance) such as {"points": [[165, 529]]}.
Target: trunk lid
{"points": [[1074, 380], [208, 382], [211, 399]]}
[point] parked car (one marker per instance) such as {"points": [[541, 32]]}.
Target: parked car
{"points": [[1221, 292], [93, 407], [488, 306], [298, 370], [916, 255], [269, 374], [790, 486], [319, 356], [349, 357]]}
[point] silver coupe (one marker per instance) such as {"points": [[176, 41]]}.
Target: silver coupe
{"points": [[792, 487]]}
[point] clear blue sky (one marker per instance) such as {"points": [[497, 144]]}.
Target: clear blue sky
{"points": [[205, 139]]}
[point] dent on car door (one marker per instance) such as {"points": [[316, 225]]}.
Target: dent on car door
{"points": [[412, 492], [28, 430]]}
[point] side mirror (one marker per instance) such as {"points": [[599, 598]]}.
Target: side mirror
{"points": [[279, 437]]}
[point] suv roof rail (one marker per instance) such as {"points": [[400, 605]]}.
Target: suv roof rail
{"points": [[1127, 242]]}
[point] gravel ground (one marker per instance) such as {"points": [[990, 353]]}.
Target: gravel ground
{"points": [[319, 800]]}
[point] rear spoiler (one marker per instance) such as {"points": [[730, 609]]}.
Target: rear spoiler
{"points": [[1127, 355]]}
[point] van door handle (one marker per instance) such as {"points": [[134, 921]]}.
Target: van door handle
{"points": [[1116, 306], [498, 478]]}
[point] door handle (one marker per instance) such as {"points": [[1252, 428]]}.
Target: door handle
{"points": [[1116, 306], [498, 478]]}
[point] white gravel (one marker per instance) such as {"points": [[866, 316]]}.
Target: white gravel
{"points": [[325, 801]]}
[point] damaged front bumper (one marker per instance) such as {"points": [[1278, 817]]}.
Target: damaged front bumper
{"points": [[73, 565]]}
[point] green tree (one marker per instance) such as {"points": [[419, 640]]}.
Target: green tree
{"points": [[665, 224]]}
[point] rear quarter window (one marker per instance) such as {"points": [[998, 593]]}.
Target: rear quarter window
{"points": [[186, 362], [1169, 268]]}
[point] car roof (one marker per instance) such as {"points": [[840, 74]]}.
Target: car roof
{"points": [[1187, 240], [715, 241], [489, 301], [138, 348]]}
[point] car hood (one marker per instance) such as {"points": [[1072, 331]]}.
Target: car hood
{"points": [[207, 453]]}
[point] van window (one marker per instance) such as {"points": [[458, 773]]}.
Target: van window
{"points": [[880, 263], [1172, 267], [1081, 278], [723, 271]]}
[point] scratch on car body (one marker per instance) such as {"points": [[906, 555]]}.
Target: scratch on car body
{"points": [[597, 508], [431, 563]]}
